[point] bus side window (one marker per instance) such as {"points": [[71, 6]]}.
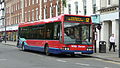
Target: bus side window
{"points": [[49, 31], [56, 31]]}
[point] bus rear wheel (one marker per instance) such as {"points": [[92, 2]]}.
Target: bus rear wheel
{"points": [[47, 50]]}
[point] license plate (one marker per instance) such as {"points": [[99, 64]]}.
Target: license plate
{"points": [[77, 52]]}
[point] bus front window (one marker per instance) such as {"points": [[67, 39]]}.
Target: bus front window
{"points": [[77, 33]]}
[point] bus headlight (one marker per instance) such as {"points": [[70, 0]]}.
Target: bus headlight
{"points": [[66, 48], [89, 48]]}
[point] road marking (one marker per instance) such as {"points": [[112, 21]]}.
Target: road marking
{"points": [[3, 59], [83, 64], [108, 61], [106, 67], [61, 60], [112, 62]]}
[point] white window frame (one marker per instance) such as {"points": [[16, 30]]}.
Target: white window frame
{"points": [[28, 15], [44, 13], [29, 2], [45, 0], [33, 15], [51, 10], [37, 1], [16, 6], [25, 16], [25, 3], [16, 20], [37, 14], [33, 1]]}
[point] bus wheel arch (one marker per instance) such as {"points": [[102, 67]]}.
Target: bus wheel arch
{"points": [[46, 49]]}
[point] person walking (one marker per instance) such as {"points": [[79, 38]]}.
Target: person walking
{"points": [[112, 42]]}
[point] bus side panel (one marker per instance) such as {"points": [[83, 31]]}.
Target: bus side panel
{"points": [[54, 46], [40, 43], [37, 45]]}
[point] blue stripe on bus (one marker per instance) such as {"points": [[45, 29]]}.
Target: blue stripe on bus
{"points": [[56, 50]]}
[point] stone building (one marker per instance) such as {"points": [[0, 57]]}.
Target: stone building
{"points": [[109, 16]]}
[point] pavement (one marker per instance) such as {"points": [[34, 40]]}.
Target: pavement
{"points": [[109, 56]]}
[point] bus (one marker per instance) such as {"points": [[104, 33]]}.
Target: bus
{"points": [[64, 34]]}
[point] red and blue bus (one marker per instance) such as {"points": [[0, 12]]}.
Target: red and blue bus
{"points": [[65, 34]]}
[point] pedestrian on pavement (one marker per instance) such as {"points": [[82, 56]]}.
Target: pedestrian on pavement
{"points": [[112, 42]]}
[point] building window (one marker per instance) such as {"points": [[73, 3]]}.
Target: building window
{"points": [[58, 9], [33, 1], [76, 7], [36, 1], [28, 15], [45, 0], [37, 14], [8, 21], [16, 7], [11, 9], [109, 2], [69, 8], [44, 13], [33, 15], [20, 17], [16, 20], [52, 11], [20, 6], [25, 16], [94, 6], [26, 3], [84, 7], [29, 2]]}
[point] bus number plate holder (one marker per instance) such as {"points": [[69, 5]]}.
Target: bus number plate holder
{"points": [[77, 52]]}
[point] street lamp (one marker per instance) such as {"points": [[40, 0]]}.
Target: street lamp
{"points": [[119, 28], [3, 17]]}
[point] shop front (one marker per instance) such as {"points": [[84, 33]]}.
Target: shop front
{"points": [[11, 32]]}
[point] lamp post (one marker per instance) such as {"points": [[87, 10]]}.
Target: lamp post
{"points": [[4, 19], [119, 29], [2, 2]]}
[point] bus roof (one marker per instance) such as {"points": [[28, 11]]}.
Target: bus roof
{"points": [[54, 19]]}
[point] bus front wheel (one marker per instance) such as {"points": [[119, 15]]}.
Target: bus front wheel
{"points": [[23, 47]]}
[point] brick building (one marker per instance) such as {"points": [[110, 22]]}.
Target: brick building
{"points": [[21, 11], [51, 8], [13, 15]]}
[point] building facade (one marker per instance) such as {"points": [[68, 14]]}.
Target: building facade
{"points": [[22, 11], [51, 8], [13, 14], [2, 16], [109, 15]]}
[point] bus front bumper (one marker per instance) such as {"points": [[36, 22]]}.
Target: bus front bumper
{"points": [[61, 51]]}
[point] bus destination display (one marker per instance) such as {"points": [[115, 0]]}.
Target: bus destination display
{"points": [[77, 19]]}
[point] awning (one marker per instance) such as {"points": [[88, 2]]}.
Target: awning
{"points": [[9, 28]]}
